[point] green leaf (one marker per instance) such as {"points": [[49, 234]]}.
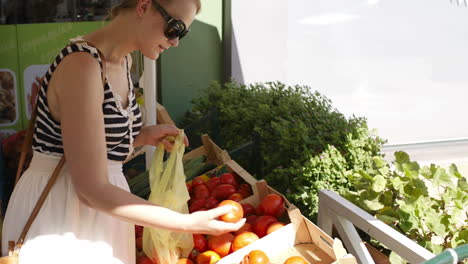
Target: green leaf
{"points": [[462, 184], [401, 157], [379, 162], [442, 178], [398, 184], [372, 205], [389, 220], [387, 198], [378, 183], [433, 221], [396, 259]]}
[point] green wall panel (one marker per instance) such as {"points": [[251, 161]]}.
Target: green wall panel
{"points": [[185, 70]]}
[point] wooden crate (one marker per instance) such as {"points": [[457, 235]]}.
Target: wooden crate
{"points": [[299, 238]]}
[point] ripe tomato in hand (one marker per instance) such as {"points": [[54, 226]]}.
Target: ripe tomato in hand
{"points": [[200, 242], [248, 208], [296, 260], [228, 178], [208, 257], [256, 257], [236, 213], [221, 244], [223, 191], [262, 223], [272, 204], [243, 239]]}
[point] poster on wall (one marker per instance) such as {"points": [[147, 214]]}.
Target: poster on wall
{"points": [[10, 101], [38, 45]]}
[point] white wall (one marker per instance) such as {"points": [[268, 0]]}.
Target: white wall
{"points": [[401, 63]]}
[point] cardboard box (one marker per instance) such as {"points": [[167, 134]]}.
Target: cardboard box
{"points": [[299, 238]]}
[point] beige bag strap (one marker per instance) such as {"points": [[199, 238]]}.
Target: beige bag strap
{"points": [[27, 144]]}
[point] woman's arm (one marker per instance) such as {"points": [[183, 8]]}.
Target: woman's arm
{"points": [[80, 102]]}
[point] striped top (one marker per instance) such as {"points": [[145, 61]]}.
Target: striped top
{"points": [[121, 125]]}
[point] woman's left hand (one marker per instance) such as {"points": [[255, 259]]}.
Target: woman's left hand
{"points": [[155, 134]]}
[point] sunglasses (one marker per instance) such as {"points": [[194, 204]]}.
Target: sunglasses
{"points": [[175, 28]]}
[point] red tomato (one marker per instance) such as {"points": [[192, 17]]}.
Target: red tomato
{"points": [[201, 191], [139, 243], [248, 208], [235, 197], [184, 261], [251, 219], [213, 182], [221, 244], [143, 260], [246, 227], [262, 223], [138, 231], [273, 227], [193, 254], [223, 191], [200, 242], [189, 187], [272, 204], [211, 202], [256, 257], [197, 181], [245, 190], [243, 239], [236, 213], [296, 260], [208, 257], [196, 205], [228, 178]]}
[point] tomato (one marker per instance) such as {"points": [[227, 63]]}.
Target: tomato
{"points": [[251, 219], [139, 243], [197, 181], [248, 208], [223, 191], [200, 242], [138, 231], [208, 257], [245, 227], [143, 260], [193, 254], [236, 213], [245, 190], [221, 244], [212, 183], [243, 239], [272, 204], [262, 223], [273, 227], [201, 191], [256, 257], [184, 261], [235, 197], [211, 202], [228, 178], [189, 187], [196, 205], [296, 260]]}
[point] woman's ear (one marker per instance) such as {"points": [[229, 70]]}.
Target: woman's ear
{"points": [[143, 6]]}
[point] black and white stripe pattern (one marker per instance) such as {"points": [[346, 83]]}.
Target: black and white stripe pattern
{"points": [[121, 125]]}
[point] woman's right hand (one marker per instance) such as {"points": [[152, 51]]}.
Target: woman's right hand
{"points": [[205, 222]]}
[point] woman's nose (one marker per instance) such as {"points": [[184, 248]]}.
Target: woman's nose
{"points": [[174, 42]]}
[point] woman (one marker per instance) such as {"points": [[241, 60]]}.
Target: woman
{"points": [[89, 215]]}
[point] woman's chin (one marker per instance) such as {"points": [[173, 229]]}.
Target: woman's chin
{"points": [[153, 55]]}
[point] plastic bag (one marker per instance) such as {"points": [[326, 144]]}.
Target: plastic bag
{"points": [[168, 189]]}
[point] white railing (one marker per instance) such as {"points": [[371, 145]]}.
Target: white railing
{"points": [[335, 210]]}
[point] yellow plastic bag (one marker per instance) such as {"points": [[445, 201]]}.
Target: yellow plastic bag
{"points": [[168, 189]]}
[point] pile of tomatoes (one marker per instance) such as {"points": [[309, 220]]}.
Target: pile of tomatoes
{"points": [[261, 221]]}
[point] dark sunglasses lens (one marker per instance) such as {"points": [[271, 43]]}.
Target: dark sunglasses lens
{"points": [[176, 30], [172, 33]]}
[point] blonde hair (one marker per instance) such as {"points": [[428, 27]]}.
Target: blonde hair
{"points": [[127, 4]]}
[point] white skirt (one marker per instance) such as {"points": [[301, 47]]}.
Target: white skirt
{"points": [[65, 230]]}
